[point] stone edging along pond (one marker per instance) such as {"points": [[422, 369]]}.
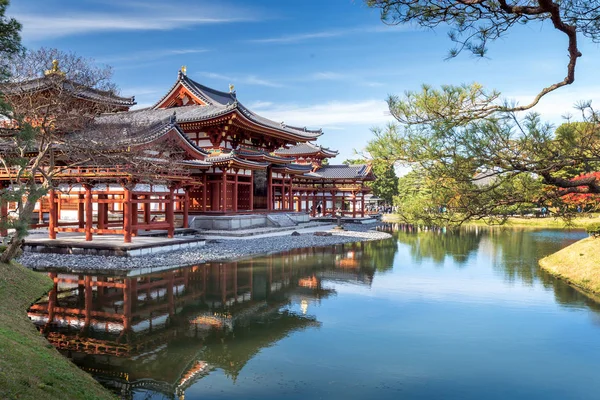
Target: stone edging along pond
{"points": [[578, 264], [223, 250]]}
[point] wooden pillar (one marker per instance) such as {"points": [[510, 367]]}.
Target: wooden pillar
{"points": [[343, 203], [186, 206], [251, 190], [353, 204], [126, 214], [314, 203], [146, 210], [306, 202], [170, 213], [362, 203], [204, 191], [101, 211], [224, 191], [269, 189], [324, 200], [333, 200], [127, 304], [235, 192], [88, 301], [58, 207], [291, 194], [89, 212], [299, 202], [81, 211], [134, 215], [52, 214]]}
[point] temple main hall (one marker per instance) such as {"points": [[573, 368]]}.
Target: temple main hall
{"points": [[236, 164]]}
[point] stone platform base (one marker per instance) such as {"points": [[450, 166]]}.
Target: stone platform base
{"points": [[245, 221], [111, 245]]}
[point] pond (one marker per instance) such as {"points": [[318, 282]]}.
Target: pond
{"points": [[425, 315]]}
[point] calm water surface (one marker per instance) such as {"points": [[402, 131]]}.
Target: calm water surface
{"points": [[422, 316]]}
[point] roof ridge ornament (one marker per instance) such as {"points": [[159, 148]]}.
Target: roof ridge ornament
{"points": [[184, 70], [231, 88], [55, 70]]}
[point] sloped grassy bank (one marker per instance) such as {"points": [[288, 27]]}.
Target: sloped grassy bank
{"points": [[30, 368], [578, 264]]}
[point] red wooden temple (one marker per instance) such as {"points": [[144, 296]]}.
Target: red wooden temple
{"points": [[236, 162]]}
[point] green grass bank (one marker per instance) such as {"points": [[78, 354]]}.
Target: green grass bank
{"points": [[30, 368], [578, 264], [521, 222]]}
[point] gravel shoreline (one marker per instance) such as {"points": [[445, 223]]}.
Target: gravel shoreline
{"points": [[213, 251]]}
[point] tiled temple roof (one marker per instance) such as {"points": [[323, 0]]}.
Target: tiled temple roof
{"points": [[293, 168], [356, 171], [232, 160], [262, 155], [223, 102], [75, 89], [303, 149], [138, 131]]}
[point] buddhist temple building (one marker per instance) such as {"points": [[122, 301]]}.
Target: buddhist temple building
{"points": [[218, 159]]}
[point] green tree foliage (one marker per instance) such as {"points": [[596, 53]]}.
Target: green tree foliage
{"points": [[385, 185]]}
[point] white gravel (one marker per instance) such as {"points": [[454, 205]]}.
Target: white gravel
{"points": [[213, 251]]}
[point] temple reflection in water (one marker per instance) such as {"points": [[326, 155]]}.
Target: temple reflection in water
{"points": [[161, 332]]}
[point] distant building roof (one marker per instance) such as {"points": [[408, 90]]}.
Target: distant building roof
{"points": [[306, 149], [356, 171], [75, 89]]}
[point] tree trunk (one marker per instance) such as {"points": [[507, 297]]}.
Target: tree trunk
{"points": [[16, 240]]}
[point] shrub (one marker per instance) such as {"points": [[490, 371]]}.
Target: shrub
{"points": [[593, 229]]}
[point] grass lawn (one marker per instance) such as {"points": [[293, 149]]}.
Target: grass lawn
{"points": [[538, 223], [30, 367], [578, 264]]}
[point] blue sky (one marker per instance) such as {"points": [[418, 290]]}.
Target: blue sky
{"points": [[328, 64]]}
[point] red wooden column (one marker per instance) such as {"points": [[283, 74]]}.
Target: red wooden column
{"points": [[235, 192], [314, 203], [134, 214], [269, 189], [362, 203], [204, 191], [126, 214], [88, 301], [4, 213], [343, 203], [333, 200], [127, 303], [251, 190], [58, 207], [306, 199], [170, 213], [186, 206], [224, 191], [291, 194], [146, 211], [51, 214], [324, 208], [81, 211], [353, 204], [102, 211], [89, 212]]}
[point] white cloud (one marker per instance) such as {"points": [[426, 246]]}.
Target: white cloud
{"points": [[560, 102], [302, 37], [124, 17], [148, 55], [247, 79], [332, 114]]}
